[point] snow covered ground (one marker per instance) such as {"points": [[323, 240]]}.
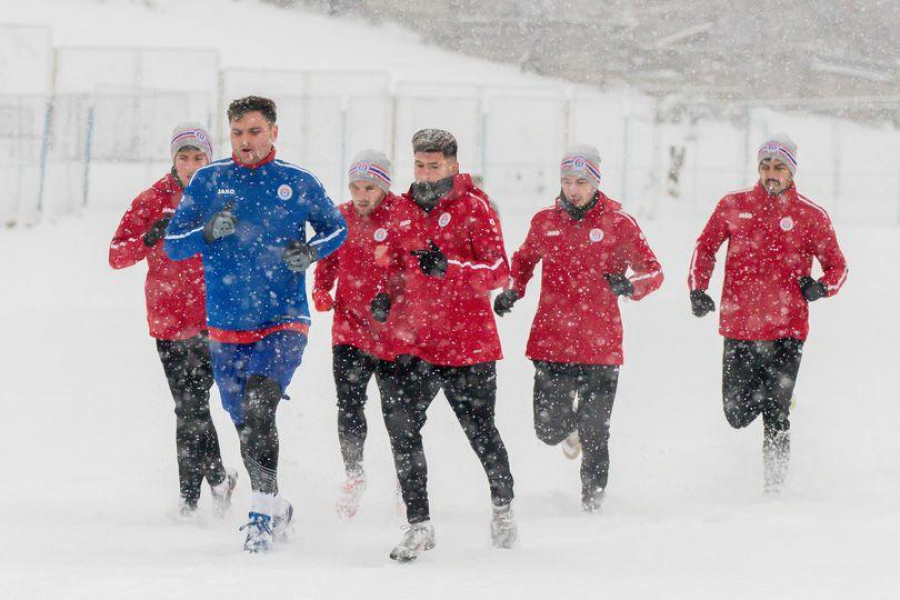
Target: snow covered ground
{"points": [[90, 476]]}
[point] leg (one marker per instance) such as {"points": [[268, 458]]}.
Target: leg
{"points": [[555, 389], [200, 382], [781, 374], [472, 393], [270, 366], [175, 356], [742, 394], [353, 369], [597, 392], [412, 384]]}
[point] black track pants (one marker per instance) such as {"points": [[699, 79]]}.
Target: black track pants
{"points": [[556, 388], [189, 373], [472, 393], [353, 369]]}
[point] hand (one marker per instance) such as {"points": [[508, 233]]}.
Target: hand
{"points": [[701, 303], [381, 307], [504, 301], [812, 289], [298, 256], [322, 300], [220, 225], [432, 261], [156, 232], [619, 284]]}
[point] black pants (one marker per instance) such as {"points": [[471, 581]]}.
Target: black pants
{"points": [[189, 372], [556, 388], [758, 378], [472, 393], [259, 433], [353, 369]]}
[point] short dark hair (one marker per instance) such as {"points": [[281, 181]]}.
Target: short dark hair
{"points": [[240, 107], [435, 140]]}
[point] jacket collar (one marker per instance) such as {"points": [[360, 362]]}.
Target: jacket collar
{"points": [[603, 204], [256, 165]]}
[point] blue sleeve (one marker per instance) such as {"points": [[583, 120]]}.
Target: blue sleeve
{"points": [[184, 236], [326, 220]]}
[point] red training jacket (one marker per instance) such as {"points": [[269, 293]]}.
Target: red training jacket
{"points": [[447, 321], [175, 290], [771, 243], [359, 267], [577, 319]]}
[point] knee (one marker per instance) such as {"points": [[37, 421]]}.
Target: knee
{"points": [[548, 429], [738, 419], [261, 396]]}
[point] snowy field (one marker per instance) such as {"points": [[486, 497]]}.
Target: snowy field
{"points": [[91, 484]]}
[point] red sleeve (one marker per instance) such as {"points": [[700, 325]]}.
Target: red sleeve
{"points": [[488, 269], [829, 255], [647, 273], [525, 259], [127, 247], [711, 239], [326, 273]]}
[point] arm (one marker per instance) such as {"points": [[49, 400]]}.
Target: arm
{"points": [[184, 237], [488, 269], [524, 260], [325, 275], [127, 247], [830, 257], [709, 242], [327, 221], [647, 273]]}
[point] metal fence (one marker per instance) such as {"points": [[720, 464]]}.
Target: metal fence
{"points": [[84, 110]]}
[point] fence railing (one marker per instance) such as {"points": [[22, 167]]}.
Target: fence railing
{"points": [[83, 107]]}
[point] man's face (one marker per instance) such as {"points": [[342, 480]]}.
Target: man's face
{"points": [[187, 162], [774, 176], [577, 190], [366, 196], [434, 166], [252, 137]]}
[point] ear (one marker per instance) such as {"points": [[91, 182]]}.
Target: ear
{"points": [[455, 167], [274, 133]]}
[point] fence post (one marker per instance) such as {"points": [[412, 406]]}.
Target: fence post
{"points": [[483, 126], [626, 161], [344, 130], [45, 153], [88, 146]]}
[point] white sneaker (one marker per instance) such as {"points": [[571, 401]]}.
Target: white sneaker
{"points": [[571, 446], [418, 538], [351, 494], [187, 511], [259, 534], [221, 494], [283, 524], [504, 531]]}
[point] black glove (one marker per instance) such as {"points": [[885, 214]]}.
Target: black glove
{"points": [[619, 284], [298, 256], [701, 303], [381, 307], [432, 261], [156, 232], [219, 225], [504, 301], [812, 289]]}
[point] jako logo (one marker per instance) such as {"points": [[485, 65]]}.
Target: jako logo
{"points": [[226, 191], [745, 216]]}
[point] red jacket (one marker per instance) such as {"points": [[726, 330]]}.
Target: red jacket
{"points": [[175, 290], [359, 267], [771, 243], [577, 319], [447, 321]]}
